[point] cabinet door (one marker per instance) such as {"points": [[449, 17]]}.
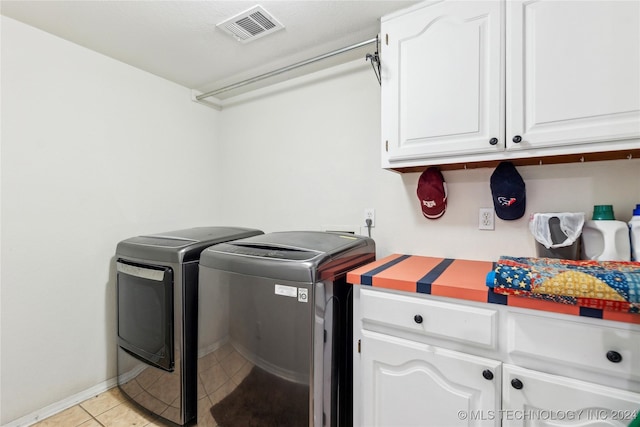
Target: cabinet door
{"points": [[534, 398], [405, 383], [443, 81], [573, 72]]}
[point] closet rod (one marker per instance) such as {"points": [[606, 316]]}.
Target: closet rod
{"points": [[283, 70]]}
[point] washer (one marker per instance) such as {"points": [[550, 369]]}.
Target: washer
{"points": [[157, 301], [280, 325]]}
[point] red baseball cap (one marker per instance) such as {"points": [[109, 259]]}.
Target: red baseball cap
{"points": [[432, 193]]}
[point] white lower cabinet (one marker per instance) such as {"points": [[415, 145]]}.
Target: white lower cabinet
{"points": [[534, 398], [437, 362], [407, 383]]}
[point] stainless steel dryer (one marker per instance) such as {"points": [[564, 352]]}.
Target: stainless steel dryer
{"points": [[157, 287], [279, 319]]}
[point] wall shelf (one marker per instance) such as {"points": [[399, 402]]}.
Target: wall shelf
{"points": [[529, 161]]}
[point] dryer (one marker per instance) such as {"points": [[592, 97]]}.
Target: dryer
{"points": [[157, 302]]}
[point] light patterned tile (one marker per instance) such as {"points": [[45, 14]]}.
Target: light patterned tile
{"points": [[103, 402], [222, 392], [214, 378], [71, 417], [124, 416], [91, 423], [233, 363], [242, 373], [207, 361], [224, 351], [201, 391], [158, 422], [205, 419]]}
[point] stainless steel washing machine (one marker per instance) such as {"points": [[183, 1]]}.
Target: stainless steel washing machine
{"points": [[278, 320], [157, 301]]}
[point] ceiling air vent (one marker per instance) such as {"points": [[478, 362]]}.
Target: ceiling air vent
{"points": [[251, 24]]}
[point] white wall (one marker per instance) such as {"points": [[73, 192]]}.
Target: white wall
{"points": [[308, 156], [93, 151]]}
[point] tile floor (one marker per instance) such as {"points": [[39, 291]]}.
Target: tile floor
{"points": [[110, 408], [219, 373]]}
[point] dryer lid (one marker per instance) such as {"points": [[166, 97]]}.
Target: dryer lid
{"points": [[180, 245]]}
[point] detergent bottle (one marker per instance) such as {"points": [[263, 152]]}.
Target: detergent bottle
{"points": [[634, 234], [604, 238]]}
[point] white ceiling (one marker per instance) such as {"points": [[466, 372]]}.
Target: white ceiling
{"points": [[179, 41]]}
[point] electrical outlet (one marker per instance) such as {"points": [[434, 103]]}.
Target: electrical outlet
{"points": [[370, 213], [486, 219]]}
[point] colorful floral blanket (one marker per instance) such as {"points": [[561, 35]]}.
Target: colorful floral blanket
{"points": [[607, 285]]}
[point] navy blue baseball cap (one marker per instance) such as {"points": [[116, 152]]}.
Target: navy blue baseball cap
{"points": [[508, 192]]}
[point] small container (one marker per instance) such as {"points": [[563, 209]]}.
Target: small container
{"points": [[603, 213], [557, 236], [606, 240], [634, 234]]}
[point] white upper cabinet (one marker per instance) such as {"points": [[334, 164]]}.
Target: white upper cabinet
{"points": [[573, 72], [443, 79], [474, 81]]}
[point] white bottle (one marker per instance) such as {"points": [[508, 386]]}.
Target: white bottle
{"points": [[606, 240], [634, 234]]}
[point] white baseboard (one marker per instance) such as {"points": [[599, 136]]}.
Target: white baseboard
{"points": [[63, 404], [70, 401], [212, 347]]}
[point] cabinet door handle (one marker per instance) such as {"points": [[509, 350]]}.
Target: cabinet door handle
{"points": [[614, 356], [517, 139], [417, 318], [493, 141], [487, 374], [517, 384]]}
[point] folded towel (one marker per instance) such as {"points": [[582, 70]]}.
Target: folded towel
{"points": [[607, 285]]}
